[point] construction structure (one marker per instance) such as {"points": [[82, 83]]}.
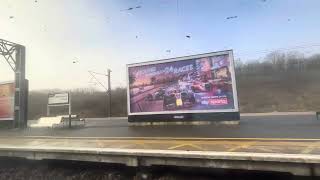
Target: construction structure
{"points": [[15, 55]]}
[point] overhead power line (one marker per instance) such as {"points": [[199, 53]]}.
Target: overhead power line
{"points": [[98, 81]]}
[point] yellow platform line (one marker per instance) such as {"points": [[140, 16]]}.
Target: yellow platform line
{"points": [[244, 146], [187, 144], [140, 143], [265, 149], [160, 138], [310, 148], [149, 142]]}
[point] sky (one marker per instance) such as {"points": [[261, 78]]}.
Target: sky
{"points": [[65, 39]]}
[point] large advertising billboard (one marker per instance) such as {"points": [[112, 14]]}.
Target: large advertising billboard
{"points": [[7, 91], [195, 84]]}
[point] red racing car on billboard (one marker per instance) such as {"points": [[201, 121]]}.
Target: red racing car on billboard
{"points": [[178, 100], [198, 87]]}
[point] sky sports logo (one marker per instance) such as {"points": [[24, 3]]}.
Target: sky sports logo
{"points": [[220, 101]]}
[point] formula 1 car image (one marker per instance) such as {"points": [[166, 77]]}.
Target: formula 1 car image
{"points": [[208, 86], [187, 99], [149, 97], [198, 87], [179, 102], [159, 95], [169, 102]]}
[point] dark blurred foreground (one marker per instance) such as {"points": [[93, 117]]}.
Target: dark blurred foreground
{"points": [[14, 169]]}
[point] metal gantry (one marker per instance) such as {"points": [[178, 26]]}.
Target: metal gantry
{"points": [[14, 54], [7, 50]]}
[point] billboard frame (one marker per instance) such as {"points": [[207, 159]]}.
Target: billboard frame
{"points": [[57, 104], [9, 119], [167, 114]]}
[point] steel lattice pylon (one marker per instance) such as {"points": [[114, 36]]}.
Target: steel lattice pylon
{"points": [[14, 54], [7, 50]]}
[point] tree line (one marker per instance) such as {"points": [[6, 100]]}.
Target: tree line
{"points": [[277, 62], [278, 82]]}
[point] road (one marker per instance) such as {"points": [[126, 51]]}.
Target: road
{"points": [[300, 126]]}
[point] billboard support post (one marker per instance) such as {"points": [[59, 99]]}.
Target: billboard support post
{"points": [[69, 110], [48, 110], [20, 89]]}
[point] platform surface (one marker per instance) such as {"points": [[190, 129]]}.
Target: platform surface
{"points": [[284, 142]]}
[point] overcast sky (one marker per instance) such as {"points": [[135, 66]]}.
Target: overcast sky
{"points": [[101, 34]]}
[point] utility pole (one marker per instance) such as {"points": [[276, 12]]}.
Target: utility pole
{"points": [[109, 92], [107, 89]]}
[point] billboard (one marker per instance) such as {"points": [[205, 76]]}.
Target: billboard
{"points": [[58, 98], [7, 92], [194, 84]]}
